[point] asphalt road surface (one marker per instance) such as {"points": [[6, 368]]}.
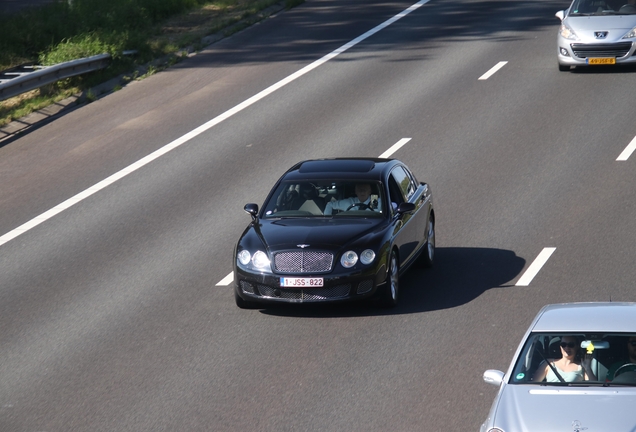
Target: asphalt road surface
{"points": [[115, 310]]}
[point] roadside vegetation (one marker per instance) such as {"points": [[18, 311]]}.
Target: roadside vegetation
{"points": [[152, 29]]}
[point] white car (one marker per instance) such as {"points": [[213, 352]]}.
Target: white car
{"points": [[574, 371], [597, 32]]}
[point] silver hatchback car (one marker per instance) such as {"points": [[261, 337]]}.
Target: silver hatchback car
{"points": [[574, 371], [597, 32]]}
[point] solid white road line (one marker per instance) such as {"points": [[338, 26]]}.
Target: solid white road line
{"points": [[494, 69], [534, 268], [628, 151], [395, 147], [187, 137]]}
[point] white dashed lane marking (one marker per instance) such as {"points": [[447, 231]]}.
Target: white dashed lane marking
{"points": [[395, 147], [628, 151], [535, 267], [492, 71]]}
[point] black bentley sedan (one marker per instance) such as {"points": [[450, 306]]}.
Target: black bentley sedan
{"points": [[335, 230]]}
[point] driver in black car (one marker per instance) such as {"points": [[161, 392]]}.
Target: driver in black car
{"points": [[362, 201], [628, 364]]}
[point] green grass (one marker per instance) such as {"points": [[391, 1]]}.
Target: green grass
{"points": [[59, 32]]}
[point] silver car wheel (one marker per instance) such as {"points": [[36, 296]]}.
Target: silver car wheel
{"points": [[428, 254], [431, 240], [394, 278], [390, 291]]}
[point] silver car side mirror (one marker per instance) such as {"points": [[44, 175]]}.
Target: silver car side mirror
{"points": [[560, 15], [493, 377]]}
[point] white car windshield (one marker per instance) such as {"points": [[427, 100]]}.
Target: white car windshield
{"points": [[577, 359], [603, 7]]}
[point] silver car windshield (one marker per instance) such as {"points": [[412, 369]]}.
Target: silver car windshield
{"points": [[321, 198], [577, 359], [603, 7]]}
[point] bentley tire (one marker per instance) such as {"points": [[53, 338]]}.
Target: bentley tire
{"points": [[391, 290], [428, 254]]}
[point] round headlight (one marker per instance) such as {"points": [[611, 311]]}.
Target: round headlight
{"points": [[367, 256], [349, 259], [243, 257], [260, 260]]}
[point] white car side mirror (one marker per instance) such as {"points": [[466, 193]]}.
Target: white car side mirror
{"points": [[493, 377]]}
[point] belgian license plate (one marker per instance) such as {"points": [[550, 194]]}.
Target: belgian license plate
{"points": [[601, 60], [291, 282]]}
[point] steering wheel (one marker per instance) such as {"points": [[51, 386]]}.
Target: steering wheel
{"points": [[362, 206], [626, 365]]}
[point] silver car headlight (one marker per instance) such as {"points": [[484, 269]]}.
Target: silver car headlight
{"points": [[349, 259], [631, 34], [259, 261], [244, 257], [367, 256], [567, 33]]}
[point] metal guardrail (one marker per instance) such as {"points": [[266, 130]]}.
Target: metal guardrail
{"points": [[25, 78]]}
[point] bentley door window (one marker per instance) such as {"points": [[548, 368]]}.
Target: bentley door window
{"points": [[404, 181]]}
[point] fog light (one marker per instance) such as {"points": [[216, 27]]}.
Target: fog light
{"points": [[564, 52]]}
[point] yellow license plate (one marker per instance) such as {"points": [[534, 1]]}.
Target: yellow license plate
{"points": [[602, 61]]}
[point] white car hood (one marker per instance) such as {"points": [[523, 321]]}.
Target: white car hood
{"points": [[525, 408], [620, 24]]}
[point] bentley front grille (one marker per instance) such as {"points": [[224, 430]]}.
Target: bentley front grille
{"points": [[303, 262], [619, 49]]}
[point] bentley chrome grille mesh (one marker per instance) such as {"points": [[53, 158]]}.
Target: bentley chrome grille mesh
{"points": [[247, 287], [303, 262], [364, 286], [313, 294]]}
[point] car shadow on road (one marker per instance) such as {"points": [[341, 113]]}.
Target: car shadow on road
{"points": [[459, 276], [610, 69]]}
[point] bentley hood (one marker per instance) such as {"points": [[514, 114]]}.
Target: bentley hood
{"points": [[524, 408], [328, 234]]}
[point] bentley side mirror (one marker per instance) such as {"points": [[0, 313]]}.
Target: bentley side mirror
{"points": [[406, 207], [252, 209]]}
